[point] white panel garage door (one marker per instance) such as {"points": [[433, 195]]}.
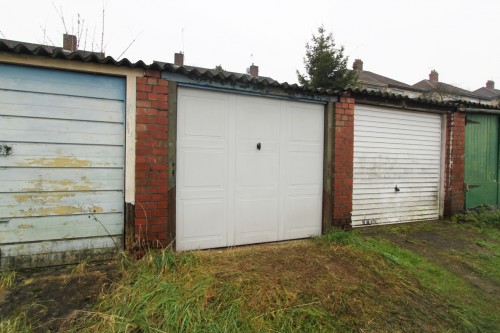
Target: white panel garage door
{"points": [[395, 148], [61, 184], [249, 169]]}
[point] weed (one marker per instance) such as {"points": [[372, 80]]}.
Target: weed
{"points": [[482, 216], [18, 324], [7, 279]]}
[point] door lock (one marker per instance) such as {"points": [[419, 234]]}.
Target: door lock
{"points": [[5, 150]]}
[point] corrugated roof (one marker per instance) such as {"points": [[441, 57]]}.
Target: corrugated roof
{"points": [[226, 76], [57, 52], [209, 74]]}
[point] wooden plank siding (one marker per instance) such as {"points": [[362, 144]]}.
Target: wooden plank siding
{"points": [[395, 148], [62, 188]]}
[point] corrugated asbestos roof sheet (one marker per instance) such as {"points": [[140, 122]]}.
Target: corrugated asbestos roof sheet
{"points": [[208, 74], [225, 76], [419, 100], [58, 52]]}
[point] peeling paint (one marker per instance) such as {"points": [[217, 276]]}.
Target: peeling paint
{"points": [[57, 162], [42, 198], [58, 210], [26, 226], [59, 185]]}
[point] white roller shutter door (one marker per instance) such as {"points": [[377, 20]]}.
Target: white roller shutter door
{"points": [[397, 165]]}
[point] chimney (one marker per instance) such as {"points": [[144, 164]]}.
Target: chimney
{"points": [[69, 42], [434, 76], [490, 84], [253, 70], [357, 65], [179, 59]]}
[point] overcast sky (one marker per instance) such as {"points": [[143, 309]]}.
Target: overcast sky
{"points": [[403, 40]]}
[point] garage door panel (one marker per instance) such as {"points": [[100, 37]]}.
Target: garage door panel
{"points": [[210, 175], [304, 168], [59, 203], [307, 124], [257, 170], [62, 155], [41, 80], [258, 118], [395, 148], [67, 134], [51, 106], [35, 229], [259, 178], [204, 222], [60, 179], [20, 129], [302, 215], [205, 117], [256, 220]]}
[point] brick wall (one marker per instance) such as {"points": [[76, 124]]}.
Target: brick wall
{"points": [[343, 146], [151, 161], [454, 196]]}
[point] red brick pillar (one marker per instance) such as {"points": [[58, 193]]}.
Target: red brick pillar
{"points": [[151, 168], [454, 196], [343, 146]]}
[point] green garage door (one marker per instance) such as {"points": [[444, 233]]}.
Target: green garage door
{"points": [[481, 160]]}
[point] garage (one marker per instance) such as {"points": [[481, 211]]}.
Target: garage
{"points": [[61, 165], [397, 165], [249, 169]]}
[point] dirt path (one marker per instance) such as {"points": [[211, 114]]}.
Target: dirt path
{"points": [[52, 296], [438, 241]]}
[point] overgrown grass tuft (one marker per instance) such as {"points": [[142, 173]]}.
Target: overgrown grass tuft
{"points": [[482, 216], [18, 324], [7, 279]]}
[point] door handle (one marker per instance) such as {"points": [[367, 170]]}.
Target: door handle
{"points": [[259, 146]]}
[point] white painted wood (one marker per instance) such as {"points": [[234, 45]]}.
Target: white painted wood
{"points": [[231, 193], [67, 164], [395, 148]]}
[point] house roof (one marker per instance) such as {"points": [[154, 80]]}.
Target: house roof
{"points": [[487, 93], [428, 85], [371, 77]]}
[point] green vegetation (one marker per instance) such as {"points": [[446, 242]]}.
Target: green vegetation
{"points": [[19, 324], [326, 64], [481, 217], [339, 282], [7, 278]]}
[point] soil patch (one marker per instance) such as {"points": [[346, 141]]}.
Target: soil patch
{"points": [[52, 296]]}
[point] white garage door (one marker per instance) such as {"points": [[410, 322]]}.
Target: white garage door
{"points": [[397, 170], [61, 180], [249, 169]]}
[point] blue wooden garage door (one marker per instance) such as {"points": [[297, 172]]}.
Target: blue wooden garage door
{"points": [[61, 165]]}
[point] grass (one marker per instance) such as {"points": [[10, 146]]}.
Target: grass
{"points": [[7, 279], [339, 282]]}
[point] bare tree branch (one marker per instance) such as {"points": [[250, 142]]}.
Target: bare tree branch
{"points": [[1, 33]]}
